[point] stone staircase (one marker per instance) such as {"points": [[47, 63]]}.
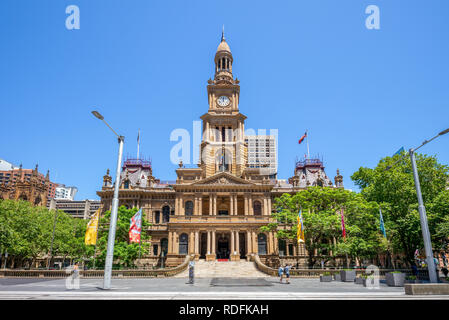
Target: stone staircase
{"points": [[224, 269]]}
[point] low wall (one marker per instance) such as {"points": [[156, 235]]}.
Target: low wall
{"points": [[426, 288], [131, 273]]}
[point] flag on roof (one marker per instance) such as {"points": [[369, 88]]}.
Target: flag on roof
{"points": [[302, 138]]}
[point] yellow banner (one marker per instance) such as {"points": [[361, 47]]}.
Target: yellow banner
{"points": [[300, 228], [92, 229]]}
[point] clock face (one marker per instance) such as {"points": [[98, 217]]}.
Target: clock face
{"points": [[223, 101]]}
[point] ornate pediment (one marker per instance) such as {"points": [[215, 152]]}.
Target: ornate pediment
{"points": [[223, 179]]}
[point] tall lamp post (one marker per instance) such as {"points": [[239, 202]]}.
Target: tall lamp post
{"points": [[422, 211], [113, 222]]}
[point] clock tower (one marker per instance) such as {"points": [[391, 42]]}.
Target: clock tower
{"points": [[223, 146]]}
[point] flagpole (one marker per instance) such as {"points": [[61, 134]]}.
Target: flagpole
{"points": [[138, 143], [95, 250], [140, 244], [307, 137]]}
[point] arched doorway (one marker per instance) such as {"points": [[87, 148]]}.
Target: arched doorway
{"points": [[223, 247], [164, 246], [257, 208], [165, 214], [262, 244], [183, 244], [282, 247]]}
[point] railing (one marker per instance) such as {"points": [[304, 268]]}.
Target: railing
{"points": [[130, 273], [219, 219], [422, 274]]}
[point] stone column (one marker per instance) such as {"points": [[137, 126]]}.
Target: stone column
{"points": [[170, 242], [195, 205], [236, 205], [270, 243], [213, 243], [208, 242], [197, 242], [269, 205], [192, 243], [237, 243], [248, 243], [200, 205], [251, 209], [211, 204], [265, 206], [287, 249], [231, 204], [254, 242], [176, 205], [245, 201], [215, 204], [276, 244], [175, 243], [232, 242]]}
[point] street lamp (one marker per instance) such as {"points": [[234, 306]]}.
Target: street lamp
{"points": [[422, 213], [113, 223], [422, 210]]}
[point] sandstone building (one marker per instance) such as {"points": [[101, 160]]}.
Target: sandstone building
{"points": [[216, 209]]}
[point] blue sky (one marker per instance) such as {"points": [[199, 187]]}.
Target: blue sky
{"points": [[362, 94]]}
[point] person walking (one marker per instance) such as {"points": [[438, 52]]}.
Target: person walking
{"points": [[280, 273], [287, 273]]}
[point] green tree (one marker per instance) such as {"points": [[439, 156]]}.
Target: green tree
{"points": [[322, 222], [395, 189], [26, 232], [125, 253]]}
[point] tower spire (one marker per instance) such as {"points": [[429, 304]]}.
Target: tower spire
{"points": [[222, 35]]}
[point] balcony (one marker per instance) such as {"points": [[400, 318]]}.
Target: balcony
{"points": [[220, 219]]}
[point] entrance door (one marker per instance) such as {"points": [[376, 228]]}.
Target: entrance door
{"points": [[242, 241], [223, 212], [203, 245], [223, 247]]}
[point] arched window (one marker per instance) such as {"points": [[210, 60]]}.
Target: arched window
{"points": [[165, 214], [183, 243], [282, 247], [164, 246], [157, 217], [189, 208], [257, 207], [37, 201], [262, 244]]}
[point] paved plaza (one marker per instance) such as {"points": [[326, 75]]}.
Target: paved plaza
{"points": [[203, 288]]}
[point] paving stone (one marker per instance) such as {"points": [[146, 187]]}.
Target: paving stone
{"points": [[224, 269]]}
